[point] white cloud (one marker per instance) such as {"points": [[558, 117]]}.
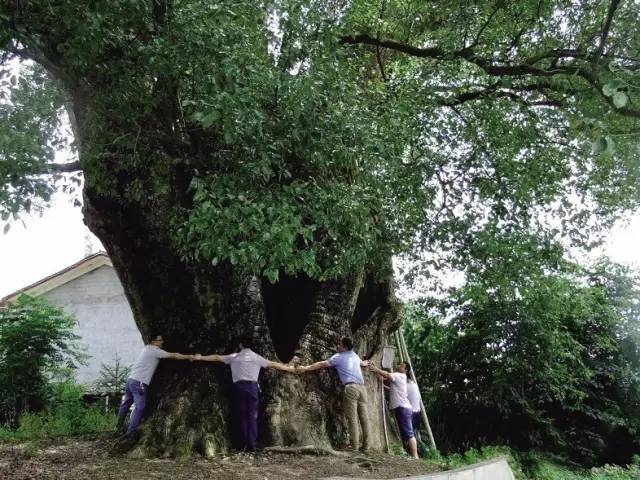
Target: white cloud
{"points": [[50, 242]]}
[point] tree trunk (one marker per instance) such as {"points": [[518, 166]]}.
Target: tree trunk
{"points": [[200, 308]]}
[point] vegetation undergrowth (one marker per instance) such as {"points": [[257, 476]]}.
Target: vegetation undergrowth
{"points": [[66, 415], [537, 466]]}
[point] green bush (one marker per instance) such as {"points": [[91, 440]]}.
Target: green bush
{"points": [[471, 456], [547, 470], [66, 415], [36, 340], [538, 466], [537, 367]]}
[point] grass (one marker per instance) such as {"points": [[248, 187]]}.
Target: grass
{"points": [[535, 466]]}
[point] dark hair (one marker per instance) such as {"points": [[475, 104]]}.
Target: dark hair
{"points": [[245, 341], [347, 343], [407, 368], [154, 336]]}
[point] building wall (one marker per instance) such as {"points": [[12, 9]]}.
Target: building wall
{"points": [[105, 322]]}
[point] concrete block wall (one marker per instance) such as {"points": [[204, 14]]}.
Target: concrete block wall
{"points": [[105, 322]]}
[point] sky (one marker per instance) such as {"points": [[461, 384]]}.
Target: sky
{"points": [[58, 238], [50, 242]]}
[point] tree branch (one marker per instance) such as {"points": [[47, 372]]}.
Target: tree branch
{"points": [[605, 31], [31, 54], [501, 70], [63, 167], [365, 39], [485, 25]]}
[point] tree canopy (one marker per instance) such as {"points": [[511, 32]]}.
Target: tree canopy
{"points": [[317, 137], [542, 365]]}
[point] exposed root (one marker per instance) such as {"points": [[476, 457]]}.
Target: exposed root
{"points": [[307, 450]]}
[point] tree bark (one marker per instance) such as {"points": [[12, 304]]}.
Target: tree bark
{"points": [[201, 308]]}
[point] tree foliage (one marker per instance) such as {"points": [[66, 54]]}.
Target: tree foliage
{"points": [[36, 341], [538, 366], [320, 137]]}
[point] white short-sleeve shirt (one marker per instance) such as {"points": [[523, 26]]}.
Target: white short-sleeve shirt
{"points": [[245, 365], [398, 391], [413, 393], [146, 364]]}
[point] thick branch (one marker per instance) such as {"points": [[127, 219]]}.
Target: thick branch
{"points": [[605, 31], [54, 70], [503, 70], [464, 54], [63, 167], [365, 39]]}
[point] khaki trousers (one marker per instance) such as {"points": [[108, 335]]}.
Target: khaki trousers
{"points": [[354, 404]]}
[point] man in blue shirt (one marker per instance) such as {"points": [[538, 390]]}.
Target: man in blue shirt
{"points": [[354, 403]]}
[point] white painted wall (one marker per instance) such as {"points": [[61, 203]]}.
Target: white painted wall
{"points": [[105, 322]]}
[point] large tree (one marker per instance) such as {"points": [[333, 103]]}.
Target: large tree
{"points": [[253, 166]]}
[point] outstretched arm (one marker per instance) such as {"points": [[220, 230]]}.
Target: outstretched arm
{"points": [[208, 358], [281, 366], [314, 366], [180, 356], [382, 373]]}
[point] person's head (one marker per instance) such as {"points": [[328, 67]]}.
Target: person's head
{"points": [[157, 340], [244, 341], [346, 343], [403, 367]]}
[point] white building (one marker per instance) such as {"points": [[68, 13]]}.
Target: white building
{"points": [[91, 292]]}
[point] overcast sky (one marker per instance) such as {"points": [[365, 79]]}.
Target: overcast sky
{"points": [[58, 238]]}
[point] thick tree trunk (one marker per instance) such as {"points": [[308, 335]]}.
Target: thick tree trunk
{"points": [[200, 308]]}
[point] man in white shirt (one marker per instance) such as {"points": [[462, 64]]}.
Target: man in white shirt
{"points": [[399, 403], [413, 393], [139, 379], [354, 402], [245, 368]]}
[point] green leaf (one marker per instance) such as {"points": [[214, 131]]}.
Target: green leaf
{"points": [[209, 119], [598, 146], [272, 275], [609, 89], [610, 146], [620, 99]]}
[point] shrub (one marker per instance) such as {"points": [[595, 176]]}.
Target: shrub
{"points": [[36, 340], [66, 415], [538, 368]]}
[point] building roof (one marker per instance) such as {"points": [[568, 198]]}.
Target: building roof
{"points": [[84, 266]]}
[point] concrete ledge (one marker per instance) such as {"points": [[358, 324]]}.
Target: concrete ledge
{"points": [[496, 469]]}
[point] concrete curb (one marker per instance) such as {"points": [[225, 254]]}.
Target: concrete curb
{"points": [[495, 469]]}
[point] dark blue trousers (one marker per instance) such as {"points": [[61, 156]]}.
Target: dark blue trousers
{"points": [[246, 398], [135, 393]]}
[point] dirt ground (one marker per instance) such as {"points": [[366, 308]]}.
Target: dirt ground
{"points": [[89, 459]]}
